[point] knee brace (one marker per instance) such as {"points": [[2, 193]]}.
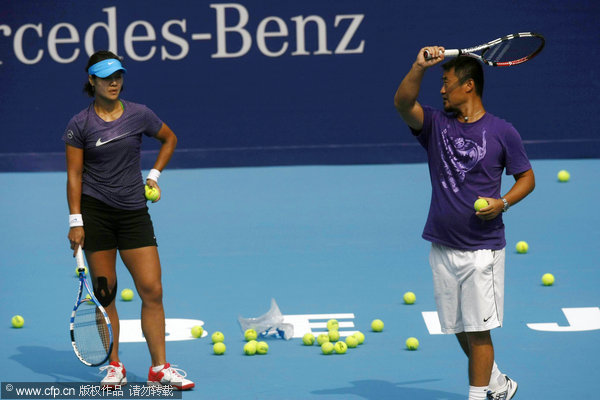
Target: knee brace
{"points": [[104, 295]]}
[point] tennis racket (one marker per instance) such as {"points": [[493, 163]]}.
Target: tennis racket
{"points": [[91, 332], [503, 52]]}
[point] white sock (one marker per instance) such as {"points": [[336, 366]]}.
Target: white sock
{"points": [[497, 381], [478, 393], [157, 368]]}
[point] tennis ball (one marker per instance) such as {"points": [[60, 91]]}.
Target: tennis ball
{"points": [[322, 338], [197, 331], [262, 348], [327, 348], [522, 247], [480, 203], [219, 348], [360, 337], [333, 325], [127, 294], [563, 176], [377, 325], [412, 343], [250, 348], [89, 299], [218, 337], [308, 339], [340, 347], [351, 341], [410, 298], [84, 272], [334, 336], [250, 334], [152, 193], [17, 321], [548, 279]]}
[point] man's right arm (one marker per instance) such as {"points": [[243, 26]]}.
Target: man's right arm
{"points": [[405, 99]]}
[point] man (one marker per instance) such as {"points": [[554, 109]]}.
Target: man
{"points": [[467, 150]]}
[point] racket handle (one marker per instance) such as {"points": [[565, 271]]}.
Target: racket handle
{"points": [[447, 53], [79, 258]]}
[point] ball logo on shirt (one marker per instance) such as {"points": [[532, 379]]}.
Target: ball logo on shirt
{"points": [[70, 134]]}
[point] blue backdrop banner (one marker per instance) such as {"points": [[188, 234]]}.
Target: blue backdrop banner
{"points": [[261, 82]]}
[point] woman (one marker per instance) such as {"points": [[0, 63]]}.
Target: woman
{"points": [[108, 212]]}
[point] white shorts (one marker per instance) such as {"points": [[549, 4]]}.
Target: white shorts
{"points": [[469, 288]]}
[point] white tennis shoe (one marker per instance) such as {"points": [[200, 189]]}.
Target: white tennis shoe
{"points": [[115, 375], [505, 393], [168, 375]]}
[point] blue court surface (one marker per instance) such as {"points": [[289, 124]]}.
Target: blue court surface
{"points": [[334, 241]]}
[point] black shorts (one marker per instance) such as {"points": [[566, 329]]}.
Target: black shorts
{"points": [[108, 228]]}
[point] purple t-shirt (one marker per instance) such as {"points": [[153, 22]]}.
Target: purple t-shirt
{"points": [[466, 161], [112, 153]]}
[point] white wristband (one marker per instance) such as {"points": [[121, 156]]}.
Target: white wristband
{"points": [[75, 220], [154, 174]]}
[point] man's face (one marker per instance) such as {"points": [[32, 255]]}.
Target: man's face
{"points": [[452, 91]]}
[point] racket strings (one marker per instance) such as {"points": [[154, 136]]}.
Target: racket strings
{"points": [[515, 49], [91, 334]]}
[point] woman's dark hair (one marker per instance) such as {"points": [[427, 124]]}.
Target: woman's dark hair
{"points": [[96, 58]]}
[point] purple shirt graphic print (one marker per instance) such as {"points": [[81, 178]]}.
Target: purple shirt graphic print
{"points": [[466, 161]]}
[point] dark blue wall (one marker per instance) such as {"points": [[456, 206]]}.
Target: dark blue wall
{"points": [[318, 106]]}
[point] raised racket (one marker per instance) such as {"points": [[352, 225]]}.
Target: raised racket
{"points": [[506, 51], [91, 332]]}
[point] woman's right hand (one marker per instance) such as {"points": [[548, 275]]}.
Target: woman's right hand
{"points": [[76, 238]]}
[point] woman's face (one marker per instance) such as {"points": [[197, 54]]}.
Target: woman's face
{"points": [[108, 88]]}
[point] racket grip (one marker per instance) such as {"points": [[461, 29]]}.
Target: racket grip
{"points": [[447, 53], [79, 258]]}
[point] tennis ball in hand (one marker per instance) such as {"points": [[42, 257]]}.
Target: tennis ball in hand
{"points": [[377, 325], [333, 325], [218, 337], [334, 336], [17, 321], [410, 298], [548, 279], [360, 337], [250, 348], [308, 339], [250, 334], [522, 247], [197, 331], [563, 176], [412, 343], [219, 348], [152, 193], [84, 272], [351, 341], [127, 294], [480, 203], [340, 347], [262, 348], [327, 348], [322, 338]]}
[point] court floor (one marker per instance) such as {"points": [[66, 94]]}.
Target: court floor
{"points": [[323, 241]]}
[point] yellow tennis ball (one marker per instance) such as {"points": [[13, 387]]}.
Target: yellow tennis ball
{"points": [[89, 299], [308, 339], [127, 294], [377, 325], [218, 337], [327, 348], [152, 193], [351, 341], [340, 347], [322, 338], [250, 348], [84, 272], [412, 343], [219, 348], [410, 298], [17, 321], [197, 331], [563, 176], [334, 336], [262, 348], [250, 334], [359, 336], [548, 279], [522, 247], [480, 203], [333, 325]]}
